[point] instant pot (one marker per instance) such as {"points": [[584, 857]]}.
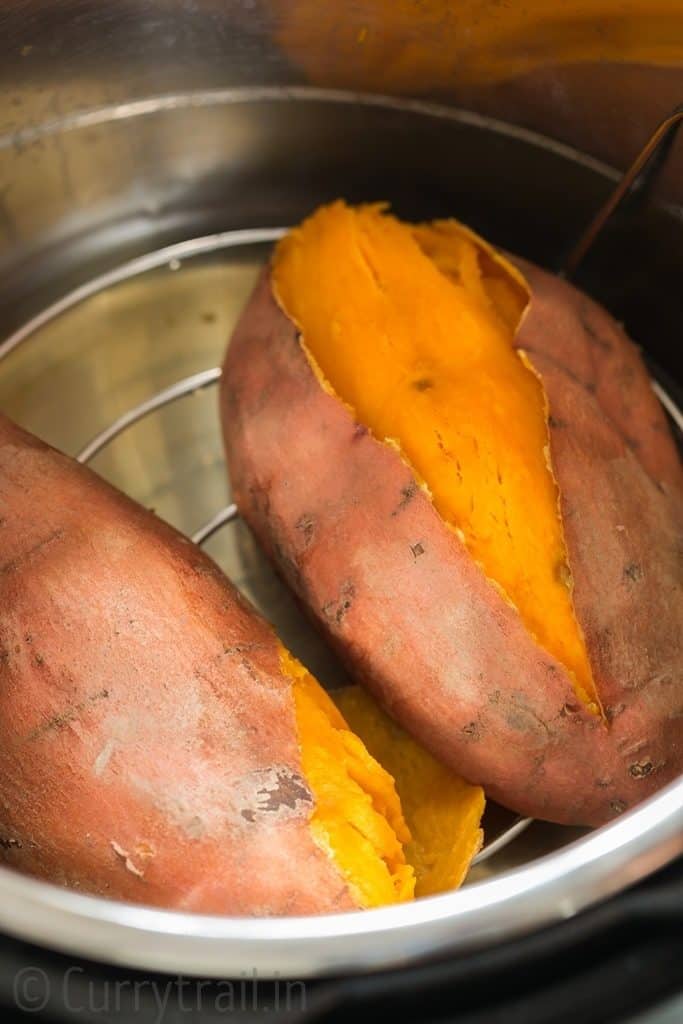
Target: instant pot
{"points": [[150, 153]]}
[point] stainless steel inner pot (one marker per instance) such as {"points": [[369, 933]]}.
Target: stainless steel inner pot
{"points": [[130, 236]]}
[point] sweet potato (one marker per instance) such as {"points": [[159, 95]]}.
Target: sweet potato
{"points": [[459, 465], [157, 744], [443, 813]]}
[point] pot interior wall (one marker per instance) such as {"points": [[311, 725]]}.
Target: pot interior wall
{"points": [[83, 193]]}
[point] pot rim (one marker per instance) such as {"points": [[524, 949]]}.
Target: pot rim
{"points": [[550, 889]]}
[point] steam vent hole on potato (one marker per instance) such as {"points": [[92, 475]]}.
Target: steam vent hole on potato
{"points": [[395, 821], [413, 330]]}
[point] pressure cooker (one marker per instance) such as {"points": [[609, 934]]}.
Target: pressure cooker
{"points": [[151, 152]]}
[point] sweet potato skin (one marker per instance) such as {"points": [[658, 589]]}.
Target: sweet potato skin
{"points": [[148, 745], [397, 593]]}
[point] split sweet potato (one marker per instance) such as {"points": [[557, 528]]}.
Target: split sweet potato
{"points": [[157, 743], [458, 463]]}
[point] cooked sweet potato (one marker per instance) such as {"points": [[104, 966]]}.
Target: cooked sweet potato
{"points": [[157, 743], [443, 813], [458, 463]]}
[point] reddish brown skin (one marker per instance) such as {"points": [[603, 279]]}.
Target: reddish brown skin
{"points": [[399, 596], [148, 744]]}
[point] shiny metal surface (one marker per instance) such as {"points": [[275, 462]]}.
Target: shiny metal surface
{"points": [[553, 888], [82, 194], [598, 74], [188, 189]]}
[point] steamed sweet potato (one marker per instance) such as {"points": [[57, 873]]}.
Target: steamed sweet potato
{"points": [[458, 463], [157, 743], [443, 813]]}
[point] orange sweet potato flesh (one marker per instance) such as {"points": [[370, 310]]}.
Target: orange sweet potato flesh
{"points": [[443, 812], [357, 817], [469, 417], [366, 773], [542, 661], [157, 743]]}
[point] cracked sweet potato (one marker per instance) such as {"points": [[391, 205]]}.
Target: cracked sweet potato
{"points": [[157, 743], [458, 463]]}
